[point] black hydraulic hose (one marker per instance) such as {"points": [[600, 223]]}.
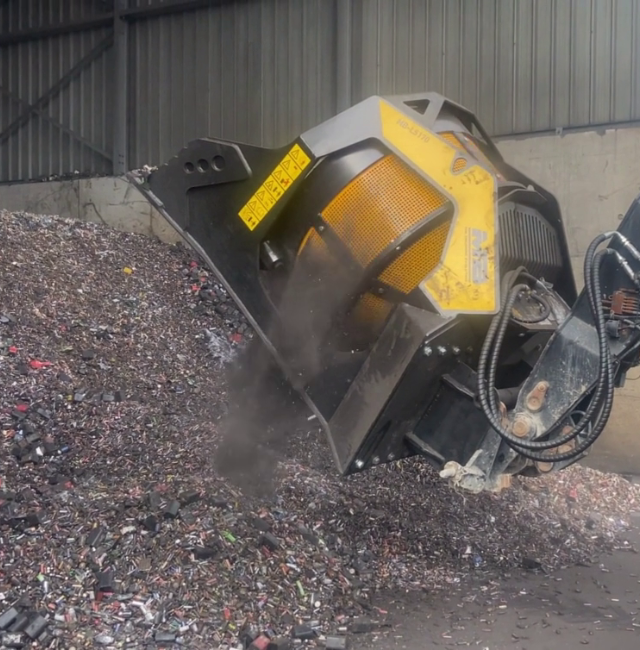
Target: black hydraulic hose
{"points": [[605, 377], [523, 447], [507, 282], [512, 440], [605, 364], [605, 381], [588, 264], [500, 323], [502, 328]]}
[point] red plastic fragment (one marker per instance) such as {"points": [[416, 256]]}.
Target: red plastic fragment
{"points": [[38, 365], [261, 643]]}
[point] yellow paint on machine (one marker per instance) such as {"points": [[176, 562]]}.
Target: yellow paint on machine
{"points": [[274, 187], [465, 281]]}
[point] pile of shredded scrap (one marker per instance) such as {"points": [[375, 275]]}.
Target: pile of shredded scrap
{"points": [[116, 529]]}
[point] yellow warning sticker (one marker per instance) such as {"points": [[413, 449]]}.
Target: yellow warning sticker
{"points": [[274, 187], [289, 166], [299, 156], [267, 201], [248, 217]]}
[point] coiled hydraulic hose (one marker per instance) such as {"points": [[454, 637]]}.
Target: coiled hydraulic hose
{"points": [[606, 385], [520, 445], [602, 399], [518, 442]]}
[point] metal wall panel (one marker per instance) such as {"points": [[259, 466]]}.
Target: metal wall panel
{"points": [[523, 65], [260, 72], [73, 125]]}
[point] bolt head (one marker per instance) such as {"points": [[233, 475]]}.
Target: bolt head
{"points": [[359, 464], [456, 350], [442, 350], [427, 351], [391, 457], [544, 467], [520, 427], [376, 460]]}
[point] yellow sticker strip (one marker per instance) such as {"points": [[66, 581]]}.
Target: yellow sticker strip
{"points": [[465, 280], [272, 190]]}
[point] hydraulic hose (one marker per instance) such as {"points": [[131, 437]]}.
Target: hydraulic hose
{"points": [[606, 368], [520, 445], [491, 410], [605, 375]]}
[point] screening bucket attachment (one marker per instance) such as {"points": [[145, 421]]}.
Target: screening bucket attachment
{"points": [[371, 255]]}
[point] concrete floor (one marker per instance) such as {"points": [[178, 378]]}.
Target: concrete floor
{"points": [[596, 606]]}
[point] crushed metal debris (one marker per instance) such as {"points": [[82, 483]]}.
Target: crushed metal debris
{"points": [[116, 530]]}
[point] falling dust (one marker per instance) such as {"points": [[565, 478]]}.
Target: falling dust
{"points": [[264, 409], [259, 418]]}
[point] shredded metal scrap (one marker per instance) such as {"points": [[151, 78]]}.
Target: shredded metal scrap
{"points": [[113, 522]]}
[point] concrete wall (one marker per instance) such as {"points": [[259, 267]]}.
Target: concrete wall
{"points": [[111, 201], [595, 176]]}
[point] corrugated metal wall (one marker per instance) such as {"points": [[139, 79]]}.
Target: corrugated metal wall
{"points": [[255, 71], [69, 126], [264, 70], [522, 65]]}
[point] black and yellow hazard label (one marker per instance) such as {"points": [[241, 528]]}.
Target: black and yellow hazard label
{"points": [[274, 187]]}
